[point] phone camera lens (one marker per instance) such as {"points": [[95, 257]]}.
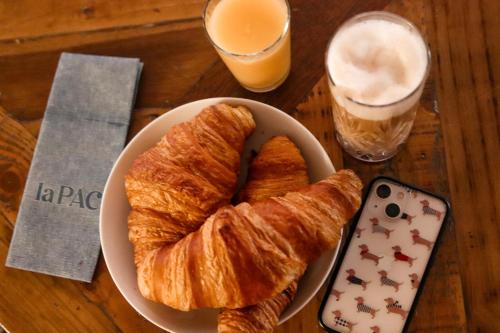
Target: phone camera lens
{"points": [[383, 191], [392, 210]]}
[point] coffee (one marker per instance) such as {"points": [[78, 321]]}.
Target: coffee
{"points": [[377, 63]]}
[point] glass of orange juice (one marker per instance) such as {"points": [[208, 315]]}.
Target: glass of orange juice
{"points": [[253, 39]]}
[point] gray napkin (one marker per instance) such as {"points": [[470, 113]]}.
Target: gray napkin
{"points": [[83, 131]]}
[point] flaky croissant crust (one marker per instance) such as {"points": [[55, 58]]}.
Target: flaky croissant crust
{"points": [[175, 185], [241, 255], [277, 169], [262, 317], [245, 254]]}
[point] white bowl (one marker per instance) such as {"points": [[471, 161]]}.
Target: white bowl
{"points": [[117, 249]]}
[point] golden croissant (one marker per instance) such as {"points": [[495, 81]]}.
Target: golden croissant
{"points": [[245, 254], [261, 317], [174, 186], [277, 169]]}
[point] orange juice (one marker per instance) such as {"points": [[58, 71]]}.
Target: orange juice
{"points": [[253, 39]]}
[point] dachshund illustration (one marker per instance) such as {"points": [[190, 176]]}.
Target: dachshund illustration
{"points": [[337, 294], [428, 210], [394, 307], [362, 307], [419, 240], [377, 228], [358, 232], [341, 321], [375, 329], [414, 280], [407, 217], [385, 281], [398, 255], [366, 254], [352, 278]]}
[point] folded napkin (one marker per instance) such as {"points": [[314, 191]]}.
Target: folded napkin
{"points": [[82, 133]]}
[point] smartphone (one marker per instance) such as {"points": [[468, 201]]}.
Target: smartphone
{"points": [[381, 269]]}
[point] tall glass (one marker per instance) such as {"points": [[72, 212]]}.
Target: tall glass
{"points": [[375, 132], [262, 69]]}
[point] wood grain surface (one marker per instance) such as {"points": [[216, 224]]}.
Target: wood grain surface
{"points": [[454, 148]]}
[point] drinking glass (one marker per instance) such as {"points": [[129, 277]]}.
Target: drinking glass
{"points": [[260, 71], [381, 135]]}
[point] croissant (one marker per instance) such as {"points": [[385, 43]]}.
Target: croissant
{"points": [[277, 169], [174, 186], [245, 254], [261, 317]]}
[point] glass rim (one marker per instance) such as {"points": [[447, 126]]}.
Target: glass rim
{"points": [[283, 34], [400, 20]]}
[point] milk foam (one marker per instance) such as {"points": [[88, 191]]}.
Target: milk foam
{"points": [[376, 62]]}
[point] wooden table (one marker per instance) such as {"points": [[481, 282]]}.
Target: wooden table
{"points": [[453, 149]]}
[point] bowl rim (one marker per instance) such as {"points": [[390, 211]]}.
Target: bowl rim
{"points": [[173, 111]]}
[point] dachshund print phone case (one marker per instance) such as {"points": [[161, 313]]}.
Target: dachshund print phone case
{"points": [[375, 285]]}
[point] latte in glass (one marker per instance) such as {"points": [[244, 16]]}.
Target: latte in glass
{"points": [[377, 64]]}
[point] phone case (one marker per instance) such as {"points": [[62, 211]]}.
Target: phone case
{"points": [[376, 283]]}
